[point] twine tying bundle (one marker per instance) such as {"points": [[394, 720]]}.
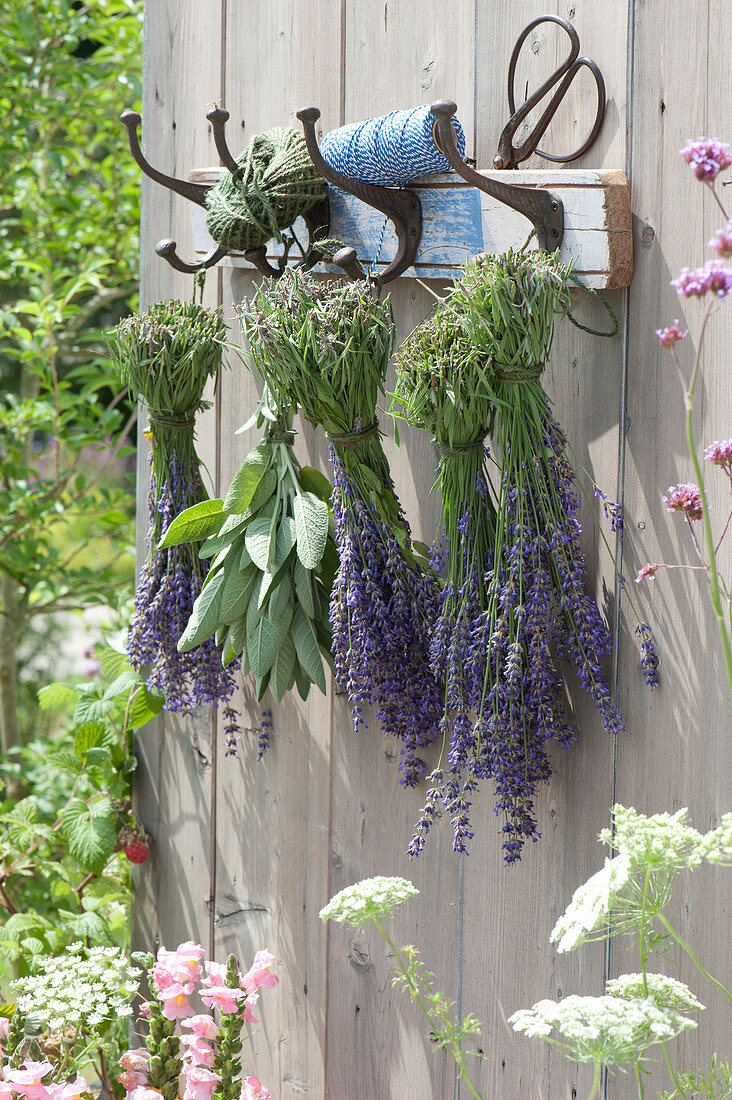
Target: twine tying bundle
{"points": [[275, 183], [389, 151]]}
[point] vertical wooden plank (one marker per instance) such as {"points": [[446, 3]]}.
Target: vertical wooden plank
{"points": [[273, 838], [676, 751], [173, 781], [509, 913], [399, 54]]}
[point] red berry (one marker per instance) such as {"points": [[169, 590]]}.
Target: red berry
{"points": [[136, 851]]}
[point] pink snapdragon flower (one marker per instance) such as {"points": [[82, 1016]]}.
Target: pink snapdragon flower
{"points": [[72, 1090], [249, 1017], [684, 498], [203, 1026], [144, 1092], [713, 278], [215, 974], [6, 1092], [721, 242], [135, 1060], [200, 1083], [130, 1080], [146, 1010], [27, 1081], [667, 337], [255, 1090], [648, 570], [222, 998], [176, 1005], [259, 973], [199, 1051], [719, 453], [181, 966], [707, 157]]}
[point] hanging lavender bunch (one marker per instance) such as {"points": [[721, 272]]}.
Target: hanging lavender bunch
{"points": [[325, 348], [533, 606], [442, 387], [166, 356]]}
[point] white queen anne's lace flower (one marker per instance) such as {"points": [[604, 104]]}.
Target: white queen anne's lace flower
{"points": [[84, 987], [368, 900], [590, 904], [662, 842], [601, 1029], [666, 992], [717, 845]]}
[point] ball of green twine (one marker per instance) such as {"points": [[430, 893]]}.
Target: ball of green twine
{"points": [[275, 183]]}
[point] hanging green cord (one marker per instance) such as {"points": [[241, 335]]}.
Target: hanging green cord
{"points": [[199, 281], [601, 298]]}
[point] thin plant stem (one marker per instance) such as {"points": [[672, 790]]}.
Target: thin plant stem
{"points": [[714, 585], [595, 1081], [639, 1079], [685, 947], [420, 1001]]}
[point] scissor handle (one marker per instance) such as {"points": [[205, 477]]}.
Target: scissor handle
{"points": [[510, 156]]}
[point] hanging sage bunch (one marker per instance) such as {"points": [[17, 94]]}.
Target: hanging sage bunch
{"points": [[531, 607], [325, 348], [166, 356], [265, 599]]}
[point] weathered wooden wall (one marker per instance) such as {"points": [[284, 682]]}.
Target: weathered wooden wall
{"points": [[246, 853]]}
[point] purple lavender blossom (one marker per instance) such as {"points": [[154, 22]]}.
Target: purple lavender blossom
{"points": [[649, 657], [264, 733], [611, 509], [381, 610], [169, 583]]}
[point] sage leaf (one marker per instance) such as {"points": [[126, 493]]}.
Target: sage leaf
{"points": [[194, 524], [258, 539], [204, 616], [303, 681], [303, 588], [236, 592], [306, 647], [311, 524], [263, 644], [314, 482], [247, 480], [283, 668]]}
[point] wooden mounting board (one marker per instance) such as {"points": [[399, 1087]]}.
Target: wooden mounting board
{"points": [[460, 221]]}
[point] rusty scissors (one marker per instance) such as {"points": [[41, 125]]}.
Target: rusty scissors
{"points": [[508, 154]]}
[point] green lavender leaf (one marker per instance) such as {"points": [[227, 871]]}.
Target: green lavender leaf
{"points": [[306, 647], [194, 524], [205, 615], [311, 523]]}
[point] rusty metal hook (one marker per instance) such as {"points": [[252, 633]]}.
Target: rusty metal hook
{"points": [[317, 219], [401, 206], [544, 210]]}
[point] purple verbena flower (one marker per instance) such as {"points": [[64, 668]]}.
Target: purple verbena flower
{"points": [[667, 337], [684, 498], [648, 570], [707, 157], [721, 242], [719, 453], [713, 278]]}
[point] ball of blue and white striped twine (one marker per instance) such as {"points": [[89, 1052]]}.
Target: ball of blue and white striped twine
{"points": [[389, 151]]}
